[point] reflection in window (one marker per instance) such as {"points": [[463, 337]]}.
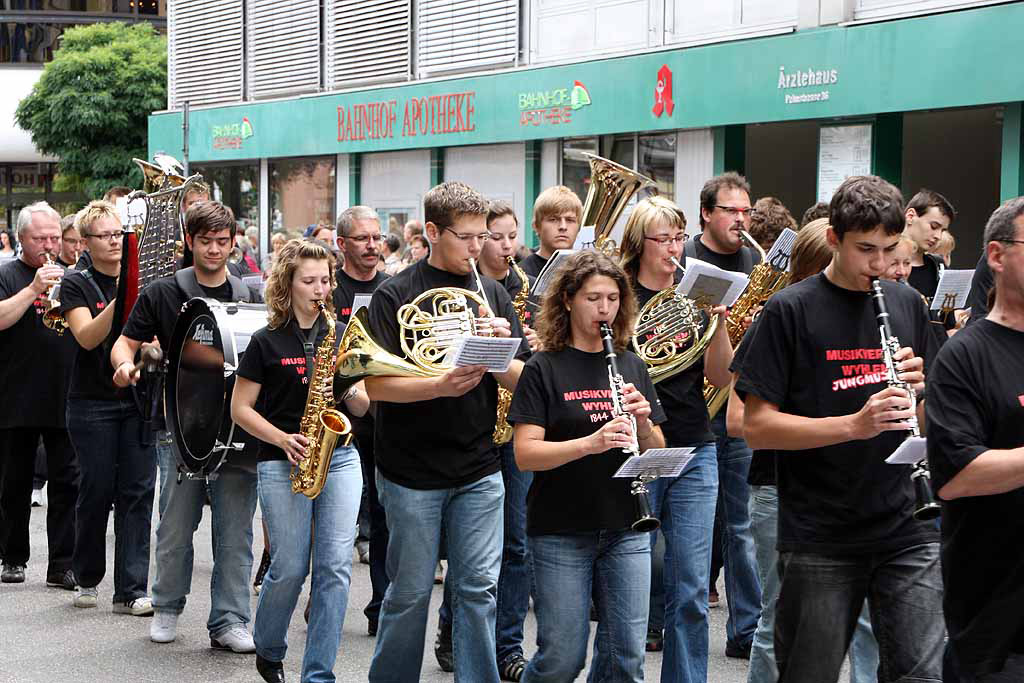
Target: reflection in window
{"points": [[575, 166], [236, 186], [301, 194], [657, 160]]}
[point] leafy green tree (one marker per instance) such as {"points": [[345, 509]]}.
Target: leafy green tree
{"points": [[90, 107]]}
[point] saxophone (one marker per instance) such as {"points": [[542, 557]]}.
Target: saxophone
{"points": [[502, 429], [321, 423]]}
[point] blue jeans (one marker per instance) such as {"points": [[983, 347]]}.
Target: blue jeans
{"points": [[686, 507], [614, 567], [232, 505], [764, 519], [299, 528], [741, 583], [471, 519], [514, 580], [115, 469], [822, 596]]}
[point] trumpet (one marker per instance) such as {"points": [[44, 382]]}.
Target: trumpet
{"points": [[53, 318]]}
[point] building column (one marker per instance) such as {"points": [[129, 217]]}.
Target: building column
{"points": [[531, 190], [730, 148], [1011, 172], [264, 202], [436, 166], [355, 178], [887, 147]]}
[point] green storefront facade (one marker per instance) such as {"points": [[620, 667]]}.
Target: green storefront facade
{"points": [[870, 74]]}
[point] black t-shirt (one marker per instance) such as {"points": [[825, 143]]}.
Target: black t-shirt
{"points": [[533, 264], [158, 306], [276, 360], [566, 392], [735, 262], [36, 361], [682, 397], [981, 283], [348, 287], [92, 377], [444, 442], [817, 353], [925, 278], [975, 404], [762, 461]]}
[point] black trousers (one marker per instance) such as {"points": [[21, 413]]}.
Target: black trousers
{"points": [[17, 465], [378, 526]]}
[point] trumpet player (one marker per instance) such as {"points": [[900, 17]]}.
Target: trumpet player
{"points": [[814, 380], [438, 469], [976, 452], [33, 389], [269, 399], [579, 517], [651, 247]]}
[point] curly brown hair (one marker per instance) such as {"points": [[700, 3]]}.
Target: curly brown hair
{"points": [[278, 294], [769, 219], [553, 327]]}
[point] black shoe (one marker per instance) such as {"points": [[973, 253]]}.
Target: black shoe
{"points": [[272, 672], [655, 641], [737, 650], [309, 606], [371, 625], [257, 583], [512, 668], [13, 573], [443, 648], [64, 579]]}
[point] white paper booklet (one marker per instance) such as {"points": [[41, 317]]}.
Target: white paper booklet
{"points": [[494, 352], [547, 273], [665, 462], [954, 286], [707, 283]]}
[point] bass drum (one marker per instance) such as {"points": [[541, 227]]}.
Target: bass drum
{"points": [[208, 341]]}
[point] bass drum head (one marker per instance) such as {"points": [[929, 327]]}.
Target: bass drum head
{"points": [[196, 388]]}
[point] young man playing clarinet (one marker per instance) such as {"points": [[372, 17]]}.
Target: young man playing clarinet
{"points": [[976, 451], [815, 386], [438, 469]]}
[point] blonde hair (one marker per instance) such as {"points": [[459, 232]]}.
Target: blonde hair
{"points": [[556, 201], [647, 213], [811, 251], [906, 239], [946, 244], [94, 211], [278, 294]]}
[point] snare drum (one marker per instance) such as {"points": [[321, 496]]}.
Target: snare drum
{"points": [[208, 341]]}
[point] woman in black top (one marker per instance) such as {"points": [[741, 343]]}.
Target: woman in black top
{"points": [[106, 430], [578, 515], [268, 402]]}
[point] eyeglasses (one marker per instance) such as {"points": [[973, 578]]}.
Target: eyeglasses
{"points": [[665, 240], [466, 237], [1011, 241], [71, 240], [363, 239], [735, 211], [108, 236]]}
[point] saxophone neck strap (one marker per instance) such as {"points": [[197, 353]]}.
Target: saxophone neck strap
{"points": [[308, 340]]}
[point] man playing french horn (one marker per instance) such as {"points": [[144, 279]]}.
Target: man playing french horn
{"points": [[438, 469]]}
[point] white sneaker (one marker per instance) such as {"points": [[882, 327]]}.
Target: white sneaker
{"points": [[164, 628], [37, 498], [236, 639], [139, 607], [86, 597]]}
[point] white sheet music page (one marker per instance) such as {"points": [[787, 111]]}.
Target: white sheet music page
{"points": [[360, 301], [665, 462], [494, 352], [547, 273], [912, 451], [708, 284], [954, 286]]}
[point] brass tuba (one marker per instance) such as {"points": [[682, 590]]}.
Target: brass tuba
{"points": [[611, 188], [321, 423]]}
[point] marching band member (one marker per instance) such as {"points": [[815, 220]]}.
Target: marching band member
{"points": [[578, 515], [117, 468], [274, 374], [651, 246], [209, 233], [557, 213], [34, 403], [976, 452], [815, 389], [438, 470]]}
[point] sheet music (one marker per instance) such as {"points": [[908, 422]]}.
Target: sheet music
{"points": [[912, 451], [255, 281], [665, 462], [546, 274], [360, 301], [954, 286], [494, 352], [778, 256], [709, 284], [584, 238], [131, 213]]}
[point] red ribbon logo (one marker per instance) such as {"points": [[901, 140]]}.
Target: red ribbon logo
{"points": [[663, 92]]}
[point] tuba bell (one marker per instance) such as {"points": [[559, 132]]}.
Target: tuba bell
{"points": [[611, 187]]}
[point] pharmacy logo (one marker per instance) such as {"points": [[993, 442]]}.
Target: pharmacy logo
{"points": [[231, 135]]}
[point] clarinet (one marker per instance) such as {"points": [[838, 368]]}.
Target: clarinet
{"points": [[645, 521], [925, 508]]}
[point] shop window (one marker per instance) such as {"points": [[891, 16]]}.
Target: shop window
{"points": [[656, 159], [236, 186], [301, 193], [28, 42], [575, 166]]}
